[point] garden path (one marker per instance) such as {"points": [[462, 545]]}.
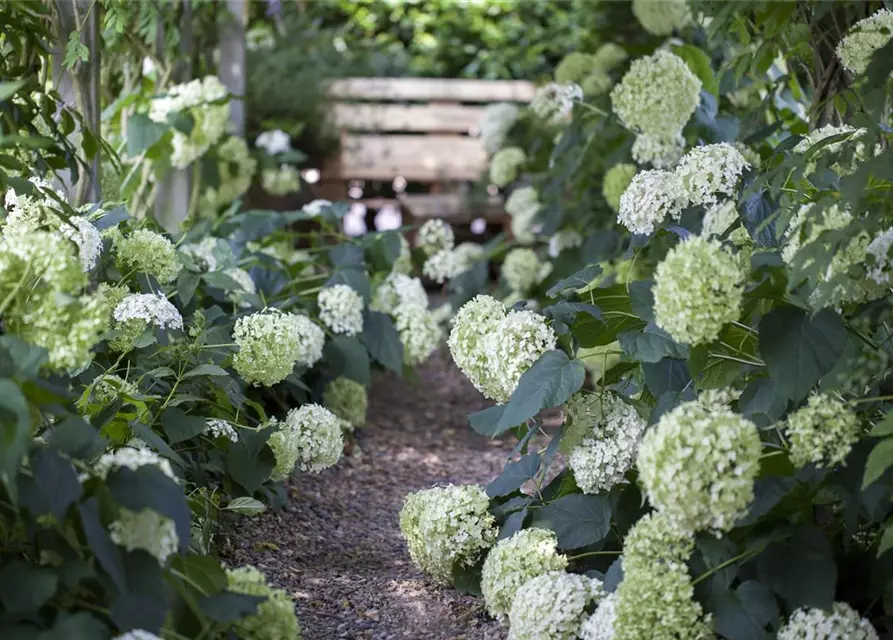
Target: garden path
{"points": [[337, 549]]}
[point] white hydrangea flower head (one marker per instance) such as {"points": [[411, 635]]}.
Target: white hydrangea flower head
{"points": [[435, 235], [131, 458], [554, 102], [245, 284], [281, 181], [552, 606], [815, 137], [399, 290], [655, 539], [30, 212], [523, 205], [521, 269], [698, 288], [466, 339], [842, 622], [505, 164], [805, 227], [468, 254], [275, 618], [573, 67], [208, 253], [150, 308], [145, 251], [664, 17], [608, 451], [419, 333], [341, 309], [447, 525], [698, 466], [615, 182], [600, 625], [217, 428], [309, 437], [710, 170], [661, 152], [564, 239], [273, 142], [442, 265], [650, 197], [881, 257], [137, 634], [495, 124], [512, 562], [348, 400], [822, 432], [145, 530], [864, 38], [718, 218], [657, 96], [235, 170], [316, 207], [271, 343]]}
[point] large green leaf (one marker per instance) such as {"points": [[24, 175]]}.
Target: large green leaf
{"points": [[749, 612], [578, 520], [383, 341], [346, 356], [248, 461], [879, 460], [514, 475], [143, 133], [354, 277], [650, 345], [798, 349], [76, 626], [52, 487], [180, 426], [26, 587], [149, 488], [579, 280], [801, 568], [551, 380], [699, 63], [106, 552], [229, 607], [15, 430]]}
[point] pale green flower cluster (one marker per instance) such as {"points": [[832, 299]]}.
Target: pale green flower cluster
{"points": [[209, 254], [281, 181], [275, 618], [316, 207], [881, 257], [235, 170], [655, 600], [698, 288], [564, 239], [608, 450], [494, 348], [144, 251], [709, 170], [660, 152], [467, 255], [147, 531], [718, 218], [823, 432], [600, 625], [552, 606], [441, 266], [512, 562], [271, 343], [554, 102], [650, 197], [419, 332], [505, 164], [522, 269], [399, 290], [444, 526], [348, 400], [842, 622], [698, 466], [590, 71], [664, 17], [130, 458], [204, 100], [217, 428], [138, 311], [864, 39], [656, 97], [246, 286], [495, 124], [574, 67], [523, 205], [616, 181], [273, 142], [435, 235], [108, 387], [309, 437], [341, 309]]}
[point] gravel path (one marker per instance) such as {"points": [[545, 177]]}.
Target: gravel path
{"points": [[337, 549]]}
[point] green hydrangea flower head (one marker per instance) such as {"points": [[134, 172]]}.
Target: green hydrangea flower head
{"points": [[144, 251], [521, 269], [698, 288], [310, 438], [281, 181], [615, 182], [823, 432], [865, 37], [435, 235], [523, 205], [608, 56], [272, 342], [663, 17], [596, 83], [505, 164], [552, 606], [512, 562], [574, 67], [235, 169], [145, 530], [419, 333], [275, 618], [444, 526], [348, 400]]}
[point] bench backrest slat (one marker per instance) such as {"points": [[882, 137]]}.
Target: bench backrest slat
{"points": [[431, 90]]}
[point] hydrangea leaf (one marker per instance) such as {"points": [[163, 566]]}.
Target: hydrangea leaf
{"points": [[248, 461], [179, 426], [801, 568], [514, 475], [578, 520], [25, 588], [486, 422], [551, 380], [348, 357], [53, 487], [143, 133], [879, 460], [512, 525], [579, 280], [101, 544], [383, 341], [149, 488], [228, 607], [745, 613], [652, 344]]}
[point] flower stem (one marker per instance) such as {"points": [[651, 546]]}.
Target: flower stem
{"points": [[594, 553]]}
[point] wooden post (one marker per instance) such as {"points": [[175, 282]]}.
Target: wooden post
{"points": [[232, 61]]}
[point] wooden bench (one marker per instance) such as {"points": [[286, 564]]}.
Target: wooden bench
{"points": [[424, 130]]}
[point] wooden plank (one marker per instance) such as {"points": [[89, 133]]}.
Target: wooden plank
{"points": [[435, 118], [432, 89], [452, 206], [415, 157]]}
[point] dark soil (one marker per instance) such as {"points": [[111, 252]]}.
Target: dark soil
{"points": [[337, 549]]}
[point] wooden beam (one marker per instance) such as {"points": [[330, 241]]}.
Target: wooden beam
{"points": [[432, 89], [433, 118], [415, 157]]}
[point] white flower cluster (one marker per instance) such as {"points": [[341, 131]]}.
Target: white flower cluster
{"points": [[273, 142], [664, 17], [435, 235], [145, 251], [523, 205], [271, 343], [316, 207], [149, 308], [564, 239], [551, 606], [660, 152], [145, 530], [281, 181], [444, 526], [399, 290], [512, 562], [650, 197], [615, 182], [600, 625], [130, 458], [494, 348], [309, 437], [348, 400], [698, 465], [842, 622], [441, 266], [718, 218], [137, 634], [341, 309], [881, 257], [467, 255], [710, 169], [864, 39], [504, 165], [554, 102], [656, 97], [204, 99], [404, 298], [522, 269], [235, 170], [608, 450], [823, 432], [275, 618], [217, 428], [698, 287], [208, 253], [495, 124]]}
